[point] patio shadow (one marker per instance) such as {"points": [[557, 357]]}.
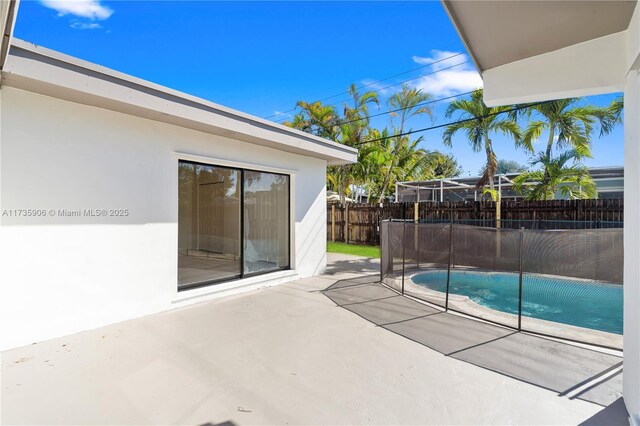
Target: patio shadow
{"points": [[569, 370], [614, 414], [343, 263]]}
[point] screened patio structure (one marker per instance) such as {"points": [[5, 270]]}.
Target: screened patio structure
{"points": [[609, 182]]}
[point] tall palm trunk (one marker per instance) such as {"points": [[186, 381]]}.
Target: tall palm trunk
{"points": [[548, 152], [387, 178], [492, 163], [342, 183], [410, 101], [491, 171]]}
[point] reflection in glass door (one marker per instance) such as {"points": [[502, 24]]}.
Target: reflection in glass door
{"points": [[266, 221], [208, 224], [231, 223]]}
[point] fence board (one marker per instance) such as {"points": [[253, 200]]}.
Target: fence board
{"points": [[364, 219]]}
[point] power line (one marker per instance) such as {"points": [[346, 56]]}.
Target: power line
{"points": [[398, 75], [433, 101], [399, 83], [375, 82], [391, 85], [340, 123], [439, 126]]}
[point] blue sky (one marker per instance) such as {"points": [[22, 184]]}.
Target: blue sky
{"points": [[261, 57]]}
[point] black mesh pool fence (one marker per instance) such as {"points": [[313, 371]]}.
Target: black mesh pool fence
{"points": [[564, 283], [532, 223]]}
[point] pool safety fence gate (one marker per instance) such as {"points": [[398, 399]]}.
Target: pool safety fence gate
{"points": [[564, 283]]}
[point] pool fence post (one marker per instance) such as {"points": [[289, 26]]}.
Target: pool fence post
{"points": [[382, 250], [404, 243], [446, 302], [520, 280], [416, 235]]}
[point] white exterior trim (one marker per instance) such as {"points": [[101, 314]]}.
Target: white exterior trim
{"points": [[8, 13], [292, 203], [200, 294], [560, 74], [51, 73], [631, 375], [230, 163]]}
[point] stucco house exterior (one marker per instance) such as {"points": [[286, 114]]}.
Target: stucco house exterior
{"points": [[120, 198], [538, 51]]}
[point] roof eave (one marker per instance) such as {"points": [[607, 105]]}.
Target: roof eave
{"points": [[8, 13], [456, 24], [41, 70]]}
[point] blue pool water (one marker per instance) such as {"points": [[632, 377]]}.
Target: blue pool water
{"points": [[581, 303]]}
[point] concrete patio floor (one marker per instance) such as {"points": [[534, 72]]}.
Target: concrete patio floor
{"points": [[278, 355]]}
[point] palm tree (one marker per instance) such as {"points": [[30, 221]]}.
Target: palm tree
{"points": [[408, 102], [413, 163], [371, 159], [319, 120], [316, 118], [510, 166], [556, 175], [478, 122], [616, 108], [569, 124], [352, 129], [443, 165], [409, 163]]}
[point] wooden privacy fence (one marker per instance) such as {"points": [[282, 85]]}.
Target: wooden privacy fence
{"points": [[360, 223]]}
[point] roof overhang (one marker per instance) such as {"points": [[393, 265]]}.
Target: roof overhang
{"points": [[530, 51], [51, 73], [8, 13]]}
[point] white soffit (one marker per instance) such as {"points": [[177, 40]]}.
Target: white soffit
{"points": [[51, 73], [500, 32], [593, 67], [8, 12]]}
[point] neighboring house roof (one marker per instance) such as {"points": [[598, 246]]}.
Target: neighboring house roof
{"points": [[596, 173], [51, 73], [609, 180]]}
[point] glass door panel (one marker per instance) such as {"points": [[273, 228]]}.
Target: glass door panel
{"points": [[208, 223], [266, 221]]}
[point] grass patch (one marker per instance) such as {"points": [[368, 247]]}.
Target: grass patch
{"points": [[357, 250]]}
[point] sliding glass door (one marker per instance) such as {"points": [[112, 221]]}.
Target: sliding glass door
{"points": [[266, 222], [208, 223], [231, 223]]}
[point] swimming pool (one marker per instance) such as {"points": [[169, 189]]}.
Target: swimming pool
{"points": [[581, 303]]}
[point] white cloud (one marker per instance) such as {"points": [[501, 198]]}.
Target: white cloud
{"points": [[85, 25], [90, 9], [447, 82], [441, 59], [369, 84]]}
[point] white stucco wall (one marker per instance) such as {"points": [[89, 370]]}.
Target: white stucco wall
{"points": [[631, 377], [59, 275], [560, 74]]}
